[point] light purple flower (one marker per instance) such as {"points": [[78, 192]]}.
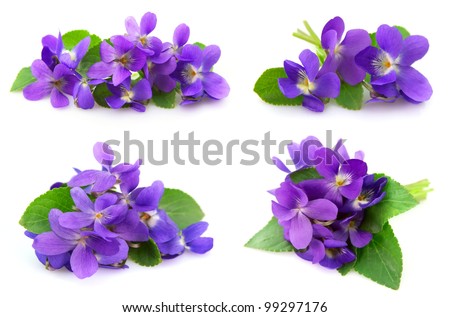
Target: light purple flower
{"points": [[140, 34], [126, 95], [55, 83], [195, 75], [304, 80], [82, 93], [173, 50], [81, 244], [73, 57], [341, 54], [105, 211], [295, 211], [118, 61], [390, 65]]}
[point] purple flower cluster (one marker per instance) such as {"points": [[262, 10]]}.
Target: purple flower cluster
{"points": [[350, 59], [321, 216], [132, 66], [107, 221]]}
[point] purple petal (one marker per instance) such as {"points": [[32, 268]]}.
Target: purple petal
{"points": [[132, 27], [300, 232], [391, 77], [315, 252], [365, 58], [388, 90], [354, 42], [192, 89], [413, 84], [191, 54], [103, 182], [281, 166], [320, 231], [114, 214], [194, 231], [41, 71], [328, 165], [350, 72], [137, 60], [360, 238], [61, 71], [148, 23], [129, 181], [105, 201], [201, 245], [211, 55], [83, 262], [352, 190], [107, 53], [121, 45], [58, 99], [161, 227], [81, 200], [102, 246], [136, 106], [59, 261], [67, 234], [330, 40], [138, 232], [100, 70], [293, 70], [313, 103], [84, 98], [50, 41], [215, 85], [103, 232], [332, 243], [314, 188], [166, 68], [165, 83], [181, 35], [76, 220], [414, 48], [84, 178], [142, 90], [321, 209], [327, 86], [390, 40], [81, 48], [115, 102], [282, 213], [334, 195], [290, 196], [289, 88], [148, 198], [37, 90], [311, 63], [120, 75], [121, 255], [355, 168], [336, 24], [103, 153], [48, 243], [346, 256], [171, 247]]}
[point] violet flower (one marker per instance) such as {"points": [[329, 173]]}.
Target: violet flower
{"points": [[81, 244], [140, 34], [349, 229], [159, 74], [73, 57], [55, 83], [126, 95], [173, 51], [341, 54], [371, 194], [295, 212], [390, 65], [105, 211], [118, 61], [195, 75], [51, 50], [304, 80]]}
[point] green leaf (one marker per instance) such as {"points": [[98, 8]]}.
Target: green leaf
{"points": [[35, 217], [267, 88], [373, 37], [23, 79], [180, 207], [100, 93], [351, 97], [381, 259], [72, 38], [396, 201], [92, 56], [147, 254], [403, 31], [270, 238], [346, 268], [304, 174], [201, 45], [164, 99]]}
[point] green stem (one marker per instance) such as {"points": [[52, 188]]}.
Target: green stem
{"points": [[305, 37], [312, 33], [368, 86], [419, 190]]}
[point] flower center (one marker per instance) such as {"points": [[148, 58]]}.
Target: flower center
{"points": [[304, 84], [332, 252], [352, 225], [127, 95], [98, 215], [143, 40], [341, 180], [59, 84], [383, 64], [124, 59], [190, 74]]}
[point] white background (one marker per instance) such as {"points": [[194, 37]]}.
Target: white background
{"points": [[40, 145]]}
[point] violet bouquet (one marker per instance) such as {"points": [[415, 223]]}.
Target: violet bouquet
{"points": [[332, 212], [343, 66], [102, 218], [124, 70]]}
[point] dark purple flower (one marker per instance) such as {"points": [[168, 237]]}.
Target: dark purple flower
{"points": [[73, 57], [140, 34], [390, 65], [342, 179], [371, 194], [145, 198], [173, 50], [131, 228], [51, 50], [190, 239], [304, 80], [55, 83], [83, 245], [341, 54], [105, 211], [302, 155], [295, 211], [127, 175], [118, 61], [127, 95], [159, 74], [195, 75], [82, 93], [326, 250], [349, 229], [161, 226]]}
